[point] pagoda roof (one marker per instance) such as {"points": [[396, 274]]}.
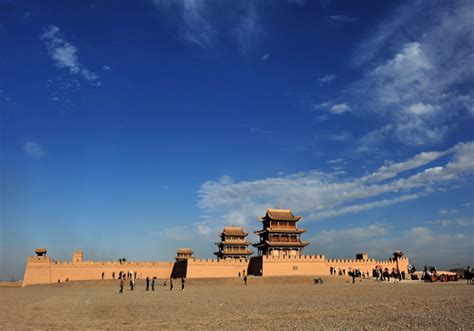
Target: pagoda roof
{"points": [[279, 231], [40, 250], [280, 215], [234, 231], [233, 242], [246, 252], [185, 250], [282, 244]]}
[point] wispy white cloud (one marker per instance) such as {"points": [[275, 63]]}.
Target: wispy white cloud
{"points": [[200, 21], [419, 85], [33, 149], [321, 195], [265, 57], [326, 78], [342, 19], [458, 221], [64, 54], [339, 136], [422, 245], [339, 108], [448, 211], [249, 30], [363, 206], [336, 161], [332, 107]]}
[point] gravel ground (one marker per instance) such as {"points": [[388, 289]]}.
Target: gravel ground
{"points": [[279, 303]]}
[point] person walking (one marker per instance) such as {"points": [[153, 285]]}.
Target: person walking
{"points": [[353, 277], [147, 283], [171, 284], [153, 283], [245, 280], [121, 285], [103, 275], [182, 283], [132, 284]]}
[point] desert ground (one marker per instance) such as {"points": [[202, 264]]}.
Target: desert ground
{"points": [[265, 303]]}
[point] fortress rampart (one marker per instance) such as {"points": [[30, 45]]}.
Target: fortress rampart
{"points": [[319, 265], [43, 269]]}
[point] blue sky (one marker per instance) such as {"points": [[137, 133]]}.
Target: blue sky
{"points": [[132, 128]]}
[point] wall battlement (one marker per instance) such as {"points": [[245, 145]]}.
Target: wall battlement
{"points": [[287, 258], [113, 263], [217, 262]]}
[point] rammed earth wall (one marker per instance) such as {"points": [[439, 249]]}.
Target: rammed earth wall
{"points": [[47, 271], [41, 270]]}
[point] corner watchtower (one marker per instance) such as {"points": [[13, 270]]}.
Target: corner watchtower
{"points": [[40, 254]]}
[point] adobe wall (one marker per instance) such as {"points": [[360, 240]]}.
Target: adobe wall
{"points": [[318, 265], [369, 264], [212, 268], [294, 265], [37, 271], [48, 271], [43, 270]]}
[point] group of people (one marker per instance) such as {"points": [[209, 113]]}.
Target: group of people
{"points": [[148, 281], [378, 273], [386, 274]]}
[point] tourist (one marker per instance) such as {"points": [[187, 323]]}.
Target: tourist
{"points": [[147, 283], [353, 276], [245, 279], [171, 284], [132, 284], [468, 275], [153, 283], [121, 285], [113, 275], [102, 275], [182, 283]]}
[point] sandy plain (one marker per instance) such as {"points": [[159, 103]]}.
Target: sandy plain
{"points": [[266, 303]]}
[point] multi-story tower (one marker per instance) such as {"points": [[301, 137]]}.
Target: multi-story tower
{"points": [[280, 235], [233, 244]]}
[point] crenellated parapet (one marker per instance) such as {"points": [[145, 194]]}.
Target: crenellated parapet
{"points": [[286, 258], [218, 262]]}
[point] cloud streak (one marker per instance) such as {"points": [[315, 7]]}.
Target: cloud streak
{"points": [[320, 195], [64, 55], [34, 150], [202, 22], [419, 86]]}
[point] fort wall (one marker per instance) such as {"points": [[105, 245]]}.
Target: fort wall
{"points": [[319, 265], [294, 265], [43, 269], [212, 268], [49, 271]]}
